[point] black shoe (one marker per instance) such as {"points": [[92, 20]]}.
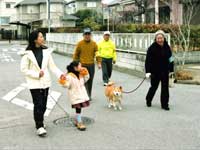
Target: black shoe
{"points": [[148, 103], [166, 108]]}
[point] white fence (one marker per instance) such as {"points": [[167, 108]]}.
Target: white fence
{"points": [[131, 47], [128, 42]]}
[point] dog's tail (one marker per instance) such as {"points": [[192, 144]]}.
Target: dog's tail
{"points": [[110, 83]]}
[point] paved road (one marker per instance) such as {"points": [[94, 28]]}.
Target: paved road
{"points": [[135, 127]]}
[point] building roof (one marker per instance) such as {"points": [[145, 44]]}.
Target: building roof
{"points": [[69, 17], [36, 2]]}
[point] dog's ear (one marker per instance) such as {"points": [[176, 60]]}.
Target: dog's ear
{"points": [[120, 88]]}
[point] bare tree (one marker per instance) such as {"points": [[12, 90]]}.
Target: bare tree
{"points": [[182, 32]]}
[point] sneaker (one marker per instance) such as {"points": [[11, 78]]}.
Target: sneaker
{"points": [[80, 126], [41, 132], [166, 108]]}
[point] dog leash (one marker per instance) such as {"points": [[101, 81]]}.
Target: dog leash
{"points": [[128, 92]]}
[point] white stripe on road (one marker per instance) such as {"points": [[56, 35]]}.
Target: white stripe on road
{"points": [[10, 97], [13, 93], [14, 49], [52, 99], [47, 112], [4, 50], [22, 103]]}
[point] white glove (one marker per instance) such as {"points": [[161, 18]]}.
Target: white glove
{"points": [[148, 75]]}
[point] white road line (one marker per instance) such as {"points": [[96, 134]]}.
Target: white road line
{"points": [[24, 85], [14, 49], [52, 99], [9, 96], [47, 112], [4, 50], [22, 103]]}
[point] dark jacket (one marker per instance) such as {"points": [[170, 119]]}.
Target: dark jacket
{"points": [[159, 59]]}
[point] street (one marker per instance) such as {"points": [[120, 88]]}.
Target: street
{"points": [[134, 127]]}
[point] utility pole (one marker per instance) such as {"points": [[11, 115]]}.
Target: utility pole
{"points": [[108, 19], [49, 17], [156, 11]]}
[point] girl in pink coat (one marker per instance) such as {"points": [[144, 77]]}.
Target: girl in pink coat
{"points": [[75, 82]]}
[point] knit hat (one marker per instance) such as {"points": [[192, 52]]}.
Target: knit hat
{"points": [[160, 32], [106, 33]]}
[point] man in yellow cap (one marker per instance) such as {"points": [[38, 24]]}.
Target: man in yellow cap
{"points": [[107, 52]]}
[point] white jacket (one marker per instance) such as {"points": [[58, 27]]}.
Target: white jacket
{"points": [[31, 69], [76, 89]]}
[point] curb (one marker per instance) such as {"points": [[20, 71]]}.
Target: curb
{"points": [[194, 82]]}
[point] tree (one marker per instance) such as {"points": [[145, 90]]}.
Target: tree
{"points": [[182, 33], [88, 13], [89, 22]]}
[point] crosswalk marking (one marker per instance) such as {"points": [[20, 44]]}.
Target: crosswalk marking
{"points": [[53, 97], [22, 103], [9, 96]]}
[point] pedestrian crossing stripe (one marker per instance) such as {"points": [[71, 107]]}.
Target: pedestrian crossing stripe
{"points": [[11, 97]]}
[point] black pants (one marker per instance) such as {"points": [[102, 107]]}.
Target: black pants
{"points": [[88, 84], [155, 80], [78, 110], [106, 69], [40, 101]]}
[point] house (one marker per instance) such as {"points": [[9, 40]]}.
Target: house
{"points": [[33, 13], [72, 6], [7, 14], [170, 11]]}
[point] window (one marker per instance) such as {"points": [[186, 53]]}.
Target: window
{"points": [[4, 20], [24, 9], [8, 5], [91, 4]]}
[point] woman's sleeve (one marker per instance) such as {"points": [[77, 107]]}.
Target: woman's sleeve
{"points": [[54, 68], [67, 82], [24, 67], [171, 61], [148, 62]]}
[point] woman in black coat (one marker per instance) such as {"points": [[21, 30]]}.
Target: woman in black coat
{"points": [[158, 65]]}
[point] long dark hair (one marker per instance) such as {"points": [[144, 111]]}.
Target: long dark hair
{"points": [[31, 41], [70, 68]]}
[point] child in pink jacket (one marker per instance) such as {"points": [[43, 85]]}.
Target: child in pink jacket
{"points": [[75, 82]]}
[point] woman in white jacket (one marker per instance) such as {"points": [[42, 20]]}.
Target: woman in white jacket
{"points": [[35, 64]]}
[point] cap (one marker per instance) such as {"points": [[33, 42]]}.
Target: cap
{"points": [[87, 30], [106, 32], [160, 32]]}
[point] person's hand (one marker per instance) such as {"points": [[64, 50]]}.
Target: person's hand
{"points": [[41, 74], [148, 75], [84, 71], [114, 62], [99, 66], [63, 77]]}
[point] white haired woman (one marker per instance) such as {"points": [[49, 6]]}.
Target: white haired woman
{"points": [[158, 65]]}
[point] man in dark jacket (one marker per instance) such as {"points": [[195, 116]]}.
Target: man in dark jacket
{"points": [[158, 64]]}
